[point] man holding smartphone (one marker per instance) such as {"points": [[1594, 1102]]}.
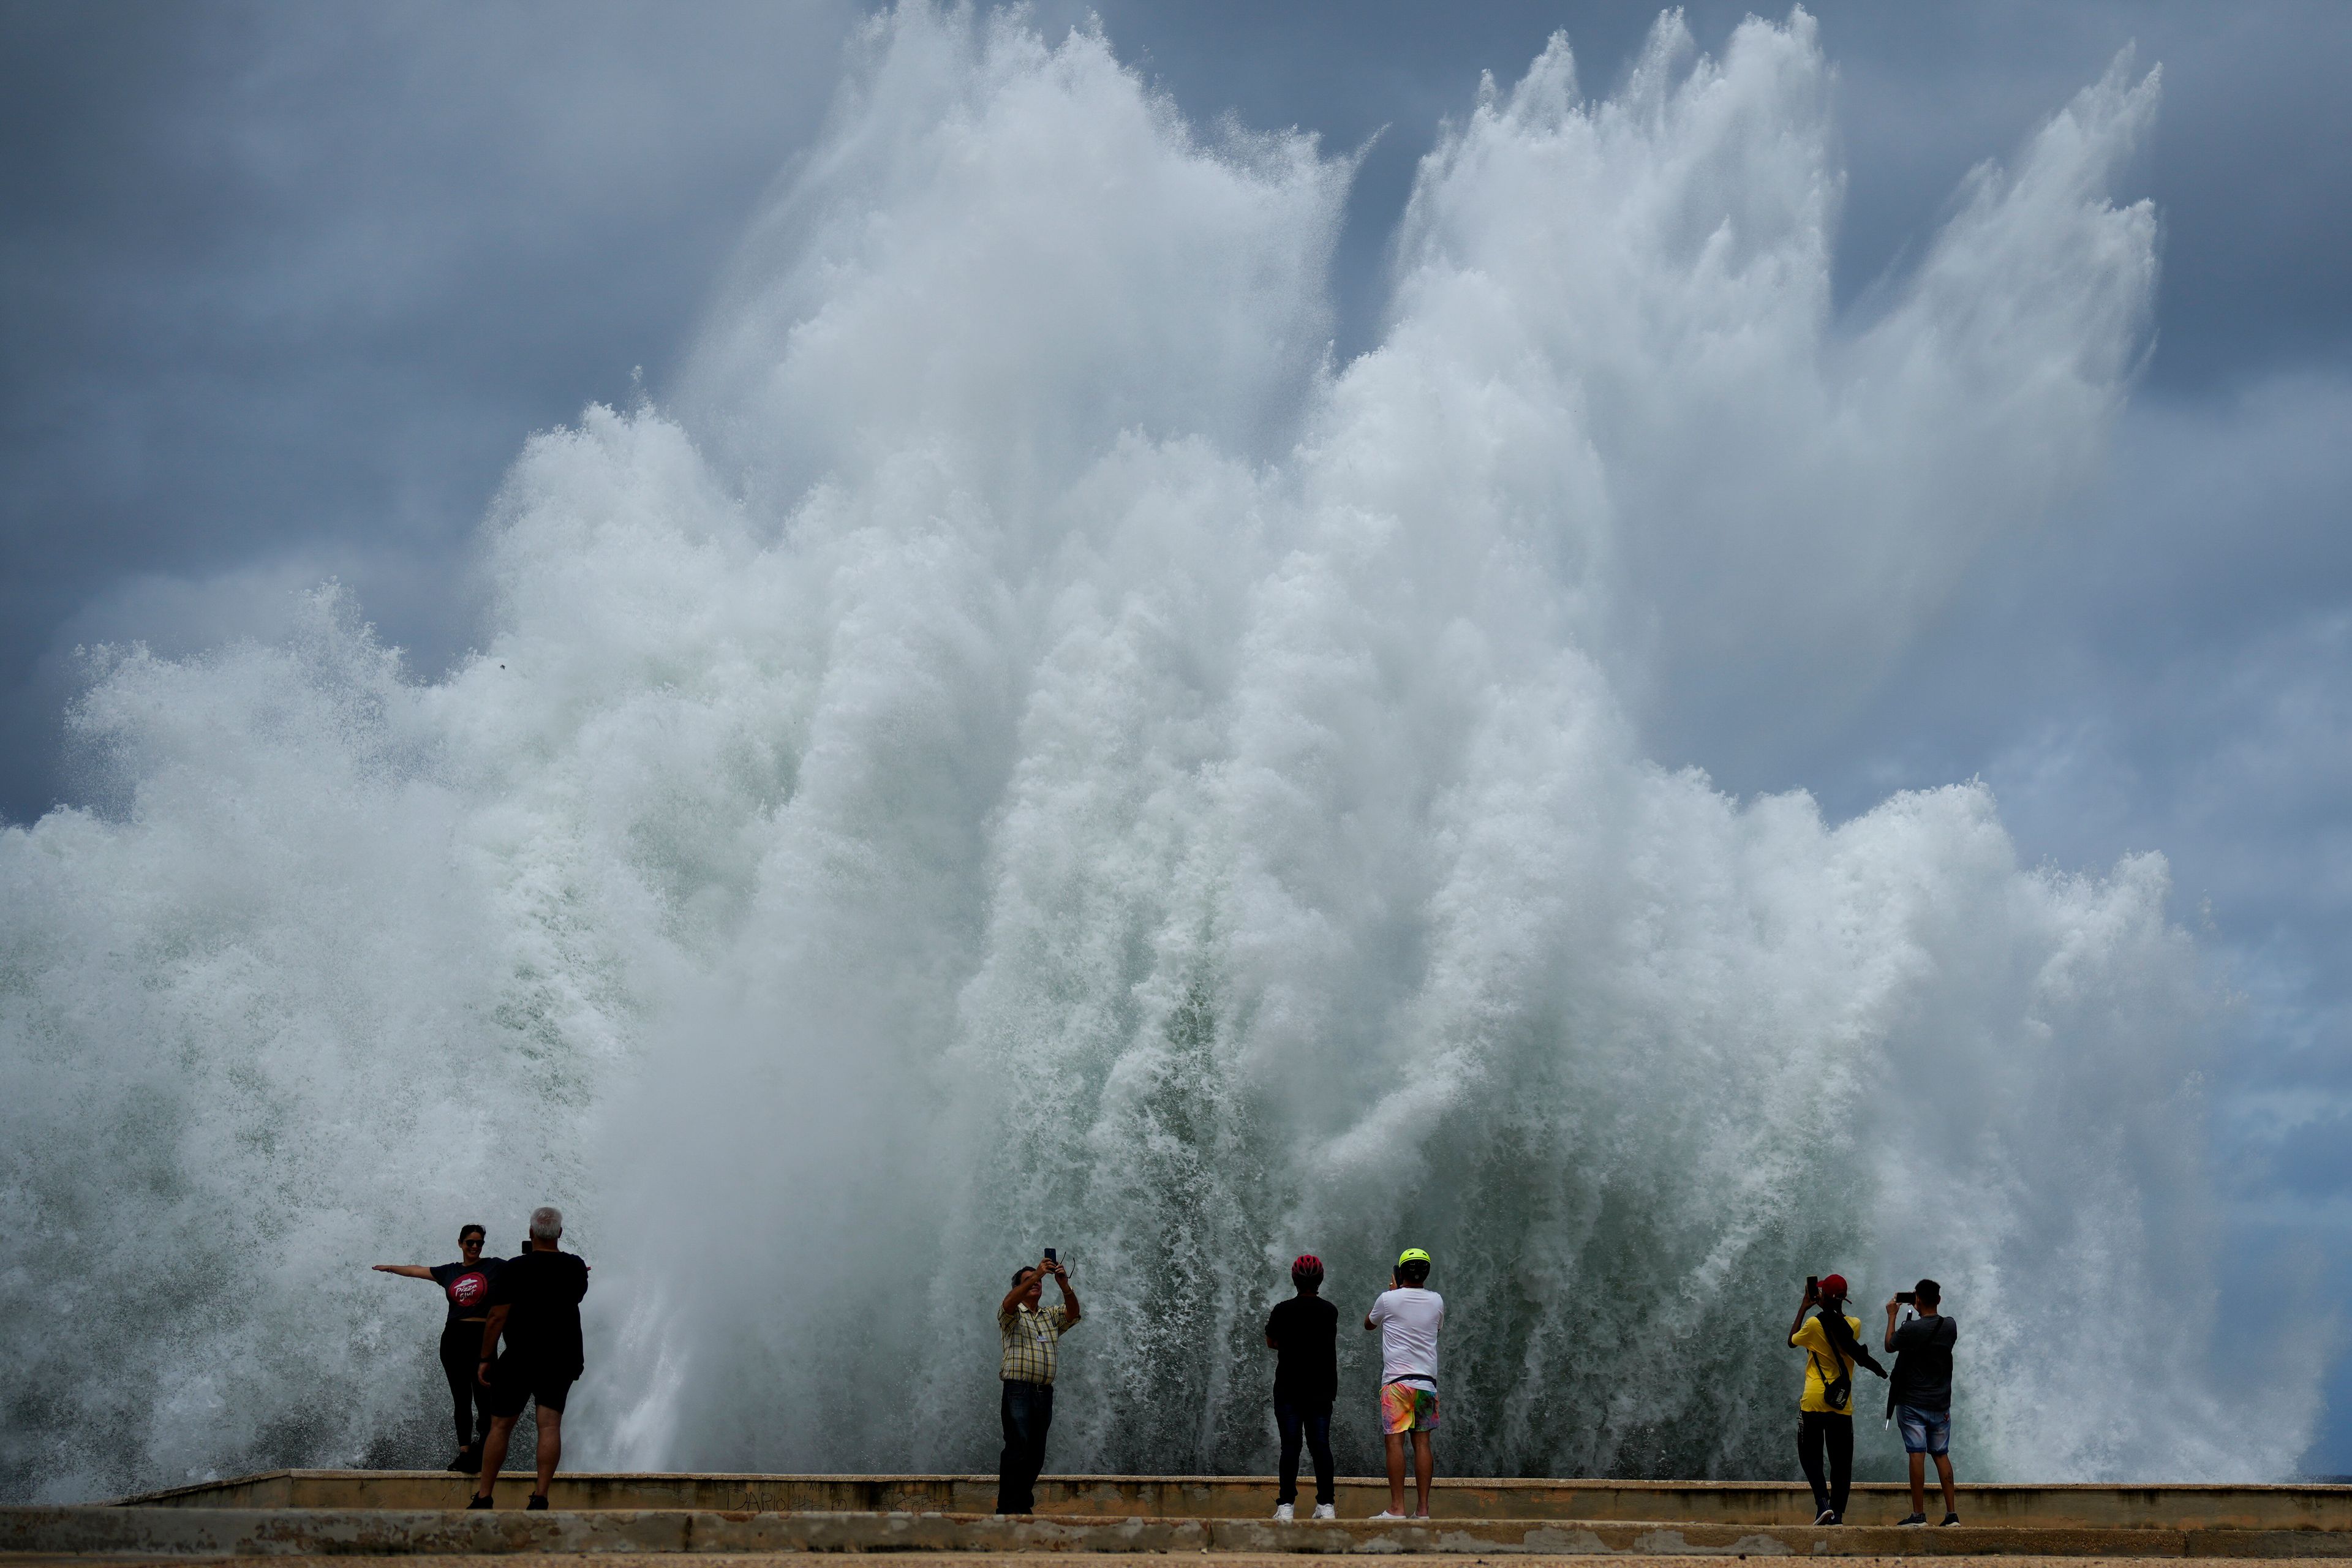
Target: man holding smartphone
{"points": [[1032, 1343], [1408, 1316], [1919, 1396]]}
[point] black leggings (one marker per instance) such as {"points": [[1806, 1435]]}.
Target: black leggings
{"points": [[1817, 1430], [461, 1347], [1289, 1419]]}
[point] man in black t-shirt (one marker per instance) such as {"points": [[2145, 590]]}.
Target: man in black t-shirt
{"points": [[535, 1303], [1304, 1332], [1919, 1394]]}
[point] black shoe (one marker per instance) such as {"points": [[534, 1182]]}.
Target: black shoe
{"points": [[1951, 1519], [468, 1462], [1913, 1519], [538, 1503], [1827, 1516], [478, 1501]]}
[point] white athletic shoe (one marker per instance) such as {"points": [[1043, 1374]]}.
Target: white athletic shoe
{"points": [[1282, 1511], [1325, 1511], [1386, 1514]]}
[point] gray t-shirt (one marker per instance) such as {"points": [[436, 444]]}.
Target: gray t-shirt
{"points": [[1922, 1364]]}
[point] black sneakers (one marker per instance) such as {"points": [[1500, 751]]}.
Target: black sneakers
{"points": [[1913, 1519], [1827, 1516], [478, 1501], [1951, 1519], [468, 1462], [538, 1503]]}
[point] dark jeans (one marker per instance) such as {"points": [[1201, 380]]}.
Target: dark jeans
{"points": [[1816, 1431], [1028, 1411], [1289, 1418], [461, 1347]]}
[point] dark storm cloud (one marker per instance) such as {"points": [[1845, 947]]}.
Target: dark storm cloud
{"points": [[2246, 165], [287, 284]]}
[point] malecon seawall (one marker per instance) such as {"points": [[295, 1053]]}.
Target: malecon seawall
{"points": [[285, 1514], [1771, 1504]]}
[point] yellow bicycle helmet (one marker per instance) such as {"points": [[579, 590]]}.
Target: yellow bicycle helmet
{"points": [[1411, 1255]]}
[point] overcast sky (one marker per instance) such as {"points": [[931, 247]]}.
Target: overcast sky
{"points": [[286, 285]]}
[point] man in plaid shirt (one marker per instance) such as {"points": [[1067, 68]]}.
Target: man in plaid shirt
{"points": [[1032, 1338]]}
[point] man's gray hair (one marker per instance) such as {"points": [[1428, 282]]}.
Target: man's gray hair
{"points": [[547, 1224]]}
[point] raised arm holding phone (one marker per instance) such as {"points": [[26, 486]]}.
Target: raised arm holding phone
{"points": [[1919, 1395], [1031, 1343], [1409, 1316], [1833, 1345]]}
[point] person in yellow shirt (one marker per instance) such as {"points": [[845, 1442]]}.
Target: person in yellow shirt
{"points": [[1833, 1345]]}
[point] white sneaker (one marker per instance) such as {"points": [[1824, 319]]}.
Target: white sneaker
{"points": [[1385, 1513], [1282, 1511], [1325, 1511]]}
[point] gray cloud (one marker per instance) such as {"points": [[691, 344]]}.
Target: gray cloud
{"points": [[289, 284]]}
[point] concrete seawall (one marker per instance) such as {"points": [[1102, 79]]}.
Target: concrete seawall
{"points": [[1768, 1504], [622, 1518], [172, 1532]]}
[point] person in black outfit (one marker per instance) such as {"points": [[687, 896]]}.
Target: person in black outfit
{"points": [[467, 1284], [1303, 1334], [1919, 1396], [535, 1303]]}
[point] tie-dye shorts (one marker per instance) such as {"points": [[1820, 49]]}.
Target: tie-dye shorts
{"points": [[1408, 1407]]}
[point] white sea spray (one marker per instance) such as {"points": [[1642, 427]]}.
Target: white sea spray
{"points": [[1023, 750]]}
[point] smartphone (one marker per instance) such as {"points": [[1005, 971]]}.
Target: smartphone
{"points": [[1812, 1284], [1049, 1254], [1906, 1298]]}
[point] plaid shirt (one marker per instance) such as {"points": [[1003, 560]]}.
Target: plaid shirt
{"points": [[1031, 1340]]}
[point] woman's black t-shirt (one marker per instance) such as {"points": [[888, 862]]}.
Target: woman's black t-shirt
{"points": [[467, 1286], [1305, 1333]]}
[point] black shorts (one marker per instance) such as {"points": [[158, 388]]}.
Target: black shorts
{"points": [[516, 1382]]}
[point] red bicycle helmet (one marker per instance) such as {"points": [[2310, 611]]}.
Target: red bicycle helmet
{"points": [[1306, 1266]]}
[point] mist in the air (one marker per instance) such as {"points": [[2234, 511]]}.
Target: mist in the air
{"points": [[1019, 747]]}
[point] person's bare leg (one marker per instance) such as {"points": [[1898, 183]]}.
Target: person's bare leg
{"points": [[494, 1453], [550, 1445], [1918, 1483], [1944, 1474], [1425, 1454], [1396, 1472]]}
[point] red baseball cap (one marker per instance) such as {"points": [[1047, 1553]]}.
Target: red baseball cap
{"points": [[1833, 1287]]}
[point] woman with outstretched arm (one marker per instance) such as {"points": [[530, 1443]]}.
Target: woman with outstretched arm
{"points": [[466, 1285]]}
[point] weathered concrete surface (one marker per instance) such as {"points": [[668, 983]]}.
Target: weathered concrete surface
{"points": [[1055, 1560], [1060, 1560], [1767, 1503], [180, 1533]]}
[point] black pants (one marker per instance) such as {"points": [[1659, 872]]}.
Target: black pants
{"points": [[461, 1347], [1028, 1411], [1289, 1419], [1816, 1431]]}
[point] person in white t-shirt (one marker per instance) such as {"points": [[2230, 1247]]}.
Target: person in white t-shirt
{"points": [[1408, 1317]]}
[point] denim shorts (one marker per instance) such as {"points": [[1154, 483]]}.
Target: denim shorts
{"points": [[1924, 1431]]}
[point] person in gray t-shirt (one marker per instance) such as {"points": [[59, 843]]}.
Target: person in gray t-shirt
{"points": [[1919, 1394]]}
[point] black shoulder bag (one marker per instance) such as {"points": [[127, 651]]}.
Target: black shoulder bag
{"points": [[1838, 1392]]}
